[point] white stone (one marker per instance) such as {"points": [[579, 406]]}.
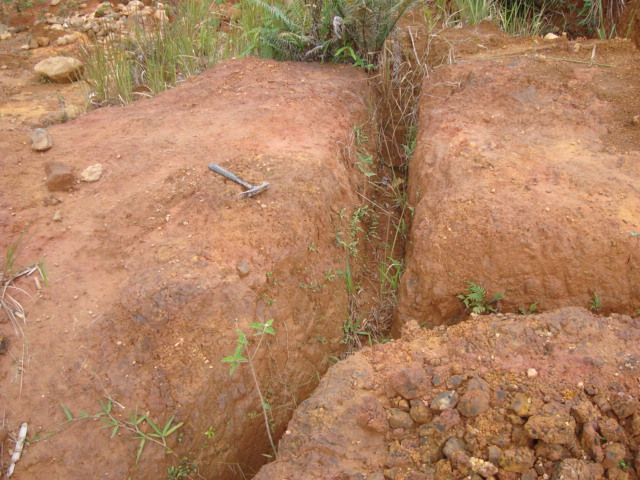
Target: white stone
{"points": [[54, 2], [59, 69], [532, 372], [92, 173], [551, 36]]}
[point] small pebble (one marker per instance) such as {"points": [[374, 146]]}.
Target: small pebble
{"points": [[532, 373]]}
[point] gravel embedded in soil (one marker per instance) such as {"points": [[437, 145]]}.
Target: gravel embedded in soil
{"points": [[558, 425]]}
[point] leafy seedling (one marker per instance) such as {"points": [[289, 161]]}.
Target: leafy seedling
{"points": [[243, 354], [476, 299], [595, 304]]}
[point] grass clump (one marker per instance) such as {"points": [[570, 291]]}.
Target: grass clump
{"points": [[155, 57], [10, 273], [328, 29]]}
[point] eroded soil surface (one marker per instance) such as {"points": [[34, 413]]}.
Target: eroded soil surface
{"points": [[525, 176], [524, 180], [151, 266]]}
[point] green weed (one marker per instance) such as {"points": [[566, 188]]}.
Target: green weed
{"points": [[529, 311], [475, 299], [595, 304], [243, 354], [183, 470], [135, 424]]}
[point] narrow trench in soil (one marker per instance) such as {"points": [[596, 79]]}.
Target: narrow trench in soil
{"points": [[381, 150], [389, 141]]}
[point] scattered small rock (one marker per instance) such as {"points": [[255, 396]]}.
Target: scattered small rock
{"points": [[243, 268], [524, 405], [517, 460], [614, 453], [4, 345], [43, 41], [610, 429], [447, 399], [59, 176], [475, 400], [420, 412], [409, 383], [482, 467], [41, 140], [60, 69], [57, 217], [92, 173], [399, 419], [584, 411], [623, 405], [54, 2], [552, 425], [574, 469], [453, 445]]}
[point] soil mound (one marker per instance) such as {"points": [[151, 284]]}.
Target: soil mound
{"points": [[525, 177], [501, 396], [154, 266]]}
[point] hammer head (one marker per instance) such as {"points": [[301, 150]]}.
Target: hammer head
{"points": [[252, 192]]}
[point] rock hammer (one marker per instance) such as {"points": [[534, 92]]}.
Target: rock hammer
{"points": [[251, 191]]}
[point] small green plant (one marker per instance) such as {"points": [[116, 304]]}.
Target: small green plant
{"points": [[358, 61], [529, 311], [390, 273], [183, 470], [476, 299], [351, 287], [595, 304], [623, 464], [361, 138], [365, 165], [243, 354], [135, 424]]}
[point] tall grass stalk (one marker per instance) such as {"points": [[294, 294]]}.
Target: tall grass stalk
{"points": [[521, 18], [154, 57]]}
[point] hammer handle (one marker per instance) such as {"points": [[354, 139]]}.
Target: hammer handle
{"points": [[229, 175]]}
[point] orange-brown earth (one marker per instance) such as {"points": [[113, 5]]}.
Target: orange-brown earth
{"points": [[525, 176], [149, 266]]}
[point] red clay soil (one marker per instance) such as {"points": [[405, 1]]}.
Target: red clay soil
{"points": [[551, 396], [525, 176], [150, 266]]}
